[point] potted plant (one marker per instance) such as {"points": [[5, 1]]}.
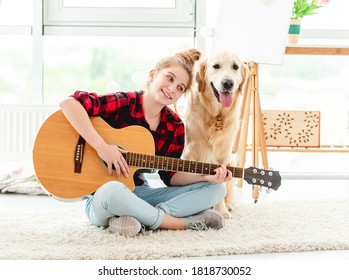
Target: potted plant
{"points": [[302, 8]]}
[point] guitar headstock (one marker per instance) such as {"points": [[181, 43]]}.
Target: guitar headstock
{"points": [[270, 179]]}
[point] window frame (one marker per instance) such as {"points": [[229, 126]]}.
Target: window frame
{"points": [[59, 20]]}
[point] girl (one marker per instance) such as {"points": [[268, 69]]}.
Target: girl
{"points": [[186, 201]]}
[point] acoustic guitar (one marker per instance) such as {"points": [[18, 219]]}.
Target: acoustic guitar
{"points": [[69, 168]]}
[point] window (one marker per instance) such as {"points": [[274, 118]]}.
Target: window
{"points": [[116, 13], [10, 15], [119, 4], [16, 76], [51, 48], [108, 64], [330, 22], [335, 10]]}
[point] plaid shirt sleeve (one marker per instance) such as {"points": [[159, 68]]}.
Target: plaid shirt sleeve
{"points": [[114, 108]]}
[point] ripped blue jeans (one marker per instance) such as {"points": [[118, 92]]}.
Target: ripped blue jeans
{"points": [[115, 199]]}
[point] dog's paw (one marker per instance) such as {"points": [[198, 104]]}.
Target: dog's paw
{"points": [[221, 208], [229, 206], [227, 215]]}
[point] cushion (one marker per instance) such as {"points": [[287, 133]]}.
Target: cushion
{"points": [[19, 177]]}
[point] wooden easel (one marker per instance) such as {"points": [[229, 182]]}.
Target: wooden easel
{"points": [[251, 101]]}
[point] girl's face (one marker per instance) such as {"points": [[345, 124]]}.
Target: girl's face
{"points": [[168, 84]]}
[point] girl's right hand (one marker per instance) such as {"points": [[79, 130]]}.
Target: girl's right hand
{"points": [[112, 156]]}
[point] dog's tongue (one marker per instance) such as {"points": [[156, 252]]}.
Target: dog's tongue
{"points": [[225, 98]]}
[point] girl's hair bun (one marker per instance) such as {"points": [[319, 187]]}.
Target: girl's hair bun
{"points": [[190, 56]]}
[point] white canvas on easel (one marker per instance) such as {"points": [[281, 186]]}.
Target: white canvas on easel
{"points": [[256, 30]]}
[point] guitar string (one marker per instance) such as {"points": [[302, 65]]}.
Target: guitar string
{"points": [[150, 161]]}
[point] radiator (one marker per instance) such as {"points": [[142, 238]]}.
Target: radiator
{"points": [[19, 125]]}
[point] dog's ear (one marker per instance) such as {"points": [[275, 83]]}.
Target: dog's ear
{"points": [[245, 73], [200, 76]]}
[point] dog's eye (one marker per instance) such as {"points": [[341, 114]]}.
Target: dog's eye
{"points": [[216, 66], [235, 66]]}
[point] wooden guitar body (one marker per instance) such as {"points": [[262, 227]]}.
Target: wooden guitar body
{"points": [[54, 150]]}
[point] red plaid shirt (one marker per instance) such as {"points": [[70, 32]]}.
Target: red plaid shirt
{"points": [[125, 108]]}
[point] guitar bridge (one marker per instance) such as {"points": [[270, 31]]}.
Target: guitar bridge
{"points": [[79, 154]]}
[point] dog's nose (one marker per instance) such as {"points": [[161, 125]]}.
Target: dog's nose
{"points": [[227, 84]]}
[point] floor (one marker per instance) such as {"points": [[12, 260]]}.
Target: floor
{"points": [[289, 190], [297, 190]]}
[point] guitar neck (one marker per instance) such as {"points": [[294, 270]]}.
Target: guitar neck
{"points": [[177, 165]]}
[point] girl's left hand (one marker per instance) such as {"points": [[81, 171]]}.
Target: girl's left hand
{"points": [[222, 175]]}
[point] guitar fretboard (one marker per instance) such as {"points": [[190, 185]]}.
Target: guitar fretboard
{"points": [[175, 164]]}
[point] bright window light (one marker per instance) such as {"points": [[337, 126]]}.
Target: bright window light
{"points": [[119, 3], [102, 64], [11, 14]]}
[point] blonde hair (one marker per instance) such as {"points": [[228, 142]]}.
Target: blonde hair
{"points": [[186, 59]]}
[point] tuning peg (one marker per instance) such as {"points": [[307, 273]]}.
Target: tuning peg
{"points": [[270, 169], [268, 190]]}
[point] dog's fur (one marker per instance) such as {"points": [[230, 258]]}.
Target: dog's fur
{"points": [[212, 116]]}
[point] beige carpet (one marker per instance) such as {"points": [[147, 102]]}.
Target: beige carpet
{"points": [[65, 233]]}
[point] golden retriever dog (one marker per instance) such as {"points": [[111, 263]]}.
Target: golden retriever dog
{"points": [[212, 118]]}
